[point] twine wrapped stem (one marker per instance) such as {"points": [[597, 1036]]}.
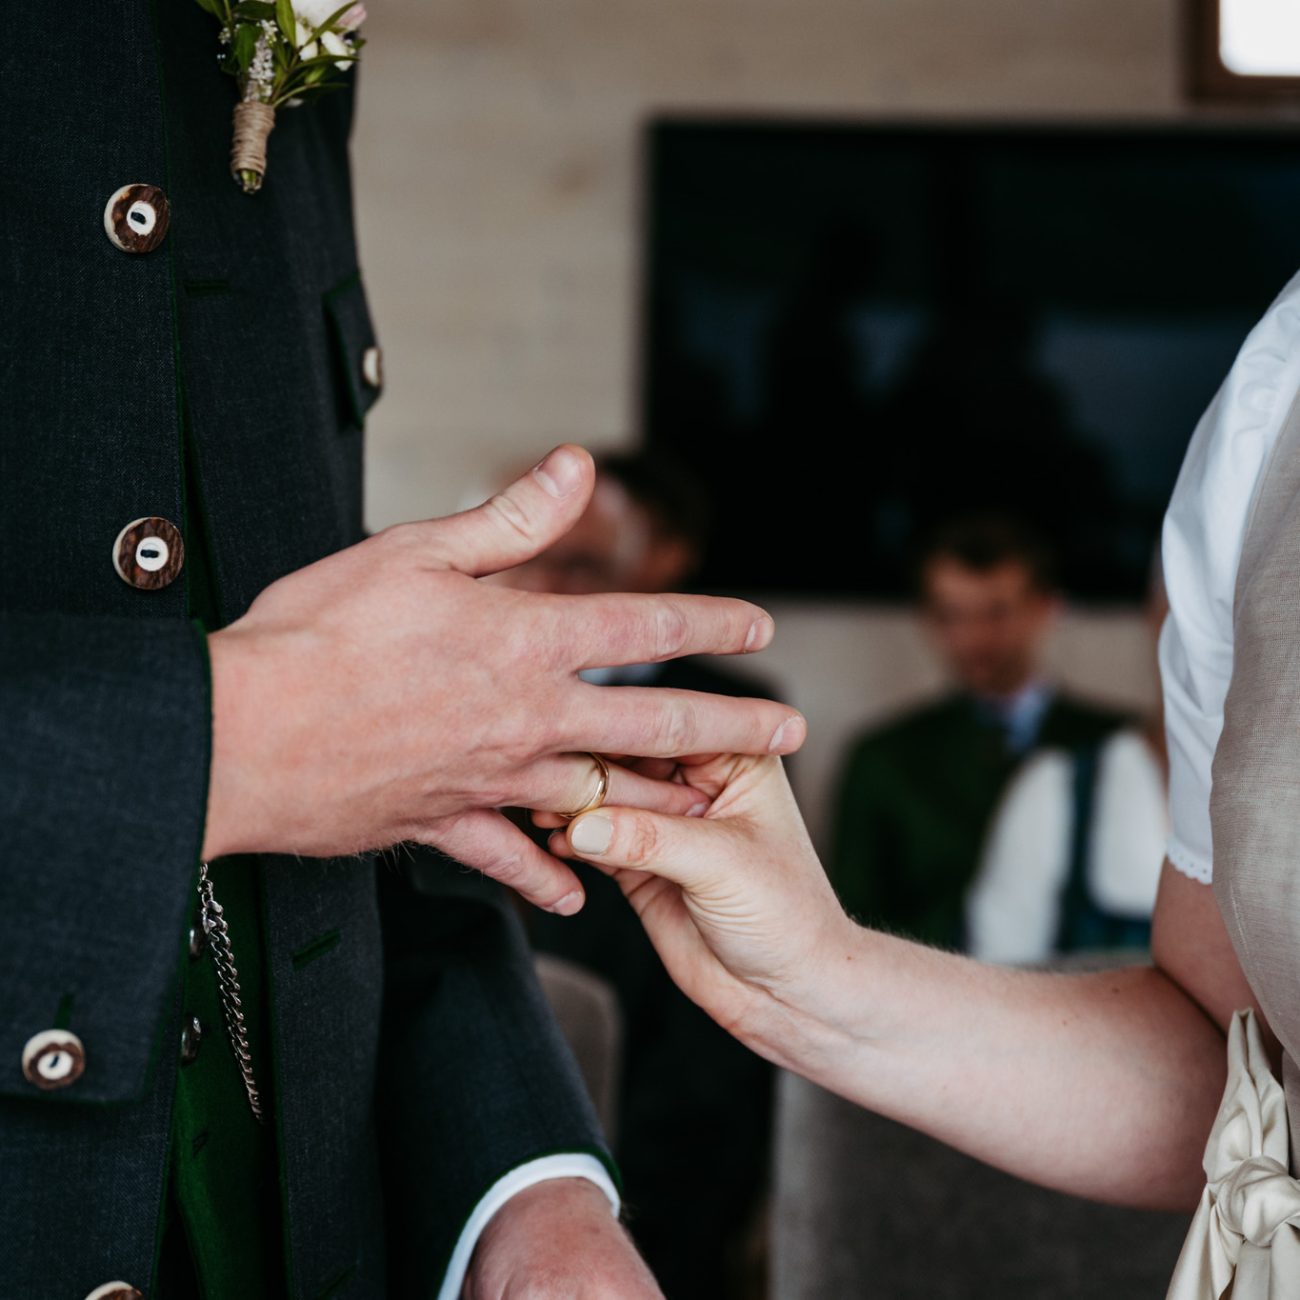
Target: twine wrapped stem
{"points": [[253, 123]]}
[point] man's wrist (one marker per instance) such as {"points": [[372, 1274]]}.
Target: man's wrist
{"points": [[232, 814], [558, 1238], [553, 1170]]}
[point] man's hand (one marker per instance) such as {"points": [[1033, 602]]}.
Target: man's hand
{"points": [[383, 694], [557, 1240]]}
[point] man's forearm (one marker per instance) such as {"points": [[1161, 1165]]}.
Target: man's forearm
{"points": [[1102, 1084]]}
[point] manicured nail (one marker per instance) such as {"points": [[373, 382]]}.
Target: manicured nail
{"points": [[760, 633], [592, 834], [787, 731], [559, 473], [569, 904], [698, 810]]}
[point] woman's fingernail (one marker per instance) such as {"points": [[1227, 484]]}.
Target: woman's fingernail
{"points": [[592, 834], [569, 904], [697, 810], [559, 473], [787, 731], [760, 633]]}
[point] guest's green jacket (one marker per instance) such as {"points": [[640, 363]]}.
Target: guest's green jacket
{"points": [[915, 800]]}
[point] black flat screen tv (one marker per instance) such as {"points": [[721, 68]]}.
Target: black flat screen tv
{"points": [[854, 332]]}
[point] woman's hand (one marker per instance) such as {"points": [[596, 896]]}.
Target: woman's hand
{"points": [[735, 901], [1101, 1084]]}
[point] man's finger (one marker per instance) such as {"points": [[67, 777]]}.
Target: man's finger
{"points": [[658, 722], [519, 522], [488, 842], [610, 630], [567, 782]]}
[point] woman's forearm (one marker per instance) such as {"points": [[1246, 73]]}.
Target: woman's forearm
{"points": [[1103, 1084]]}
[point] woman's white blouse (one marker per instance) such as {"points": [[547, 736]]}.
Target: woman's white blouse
{"points": [[1201, 546], [1013, 908]]}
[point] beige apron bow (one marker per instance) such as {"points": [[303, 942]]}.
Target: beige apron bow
{"points": [[1245, 1239]]}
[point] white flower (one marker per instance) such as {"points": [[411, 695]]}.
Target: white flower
{"points": [[337, 46], [315, 12], [327, 43], [308, 49], [261, 72]]}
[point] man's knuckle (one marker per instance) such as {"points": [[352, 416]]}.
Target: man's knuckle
{"points": [[672, 627], [507, 511], [509, 869], [403, 536], [675, 733]]}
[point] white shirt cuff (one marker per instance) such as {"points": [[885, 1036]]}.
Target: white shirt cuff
{"points": [[1182, 859], [572, 1165]]}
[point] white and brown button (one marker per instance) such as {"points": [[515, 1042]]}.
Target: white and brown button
{"points": [[115, 1291], [53, 1059], [149, 553], [136, 218], [372, 367]]}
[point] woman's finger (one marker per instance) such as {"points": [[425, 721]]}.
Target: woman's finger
{"points": [[677, 848]]}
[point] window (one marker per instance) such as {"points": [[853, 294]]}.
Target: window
{"points": [[1245, 49]]}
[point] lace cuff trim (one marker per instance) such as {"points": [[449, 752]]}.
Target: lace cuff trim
{"points": [[1188, 864]]}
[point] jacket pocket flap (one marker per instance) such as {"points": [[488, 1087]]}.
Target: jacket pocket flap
{"points": [[352, 341]]}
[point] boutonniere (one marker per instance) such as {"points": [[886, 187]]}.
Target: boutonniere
{"points": [[280, 53]]}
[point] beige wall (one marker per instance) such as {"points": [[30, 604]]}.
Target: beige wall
{"points": [[496, 159]]}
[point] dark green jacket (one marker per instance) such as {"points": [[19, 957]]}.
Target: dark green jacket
{"points": [[915, 800], [414, 1060]]}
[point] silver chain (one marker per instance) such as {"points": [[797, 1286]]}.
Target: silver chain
{"points": [[217, 931]]}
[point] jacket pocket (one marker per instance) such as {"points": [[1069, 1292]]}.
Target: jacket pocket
{"points": [[357, 361]]}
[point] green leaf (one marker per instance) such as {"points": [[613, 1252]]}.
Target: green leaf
{"points": [[328, 24], [245, 46], [255, 11], [323, 62], [215, 7], [288, 24]]}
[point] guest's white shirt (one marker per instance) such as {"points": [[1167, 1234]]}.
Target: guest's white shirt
{"points": [[1013, 908], [1203, 534]]}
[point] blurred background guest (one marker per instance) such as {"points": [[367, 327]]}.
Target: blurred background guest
{"points": [[694, 1107], [1073, 857], [917, 793]]}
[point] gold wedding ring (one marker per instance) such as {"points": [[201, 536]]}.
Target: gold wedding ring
{"points": [[602, 790]]}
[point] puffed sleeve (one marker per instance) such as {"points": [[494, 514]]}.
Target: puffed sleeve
{"points": [[1200, 549]]}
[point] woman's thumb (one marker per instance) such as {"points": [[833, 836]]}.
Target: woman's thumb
{"points": [[676, 848]]}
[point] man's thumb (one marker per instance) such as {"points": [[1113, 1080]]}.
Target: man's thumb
{"points": [[522, 521]]}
